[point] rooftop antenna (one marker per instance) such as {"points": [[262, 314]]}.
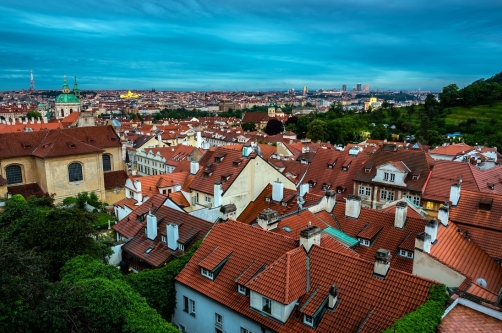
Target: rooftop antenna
{"points": [[32, 81]]}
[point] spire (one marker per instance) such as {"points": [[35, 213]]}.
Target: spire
{"points": [[66, 89], [76, 91], [32, 81]]}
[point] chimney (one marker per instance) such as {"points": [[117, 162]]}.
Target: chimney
{"points": [[431, 228], [423, 242], [382, 262], [277, 190], [218, 194], [353, 206], [44, 119], [268, 219], [38, 120], [304, 189], [330, 200], [443, 214], [172, 236], [177, 187], [401, 214], [194, 167], [309, 237], [151, 226], [333, 296], [138, 195], [32, 120], [246, 150], [455, 194], [199, 140], [228, 212]]}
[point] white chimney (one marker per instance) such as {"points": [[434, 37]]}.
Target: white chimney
{"points": [[32, 120], [268, 219], [218, 194], [177, 188], [38, 120], [444, 214], [172, 236], [431, 228], [382, 262], [151, 226], [228, 212], [333, 296], [309, 237], [277, 191], [455, 194], [423, 242], [304, 189], [330, 200], [138, 194], [353, 206], [194, 167], [44, 119], [159, 137], [199, 140], [401, 214]]}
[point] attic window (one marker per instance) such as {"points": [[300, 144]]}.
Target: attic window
{"points": [[207, 273], [242, 290], [149, 249], [207, 173], [415, 177], [71, 145], [312, 183], [284, 203], [267, 199], [486, 204], [365, 242], [26, 145], [367, 169], [406, 254], [304, 161], [340, 189], [326, 186], [308, 320]]}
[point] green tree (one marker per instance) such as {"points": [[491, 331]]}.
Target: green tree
{"points": [[87, 267], [274, 127], [380, 132], [249, 127], [317, 130], [449, 95], [33, 114]]}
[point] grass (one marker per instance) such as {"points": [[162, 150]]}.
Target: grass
{"points": [[102, 221], [484, 114]]}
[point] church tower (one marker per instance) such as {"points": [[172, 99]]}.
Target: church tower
{"points": [[271, 110], [66, 103]]}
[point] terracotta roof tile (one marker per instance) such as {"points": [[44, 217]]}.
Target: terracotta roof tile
{"points": [[462, 319], [115, 178], [215, 258], [27, 190]]}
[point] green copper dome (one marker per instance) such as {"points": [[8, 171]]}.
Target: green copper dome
{"points": [[67, 98]]}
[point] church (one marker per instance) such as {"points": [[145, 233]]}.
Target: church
{"points": [[68, 101]]}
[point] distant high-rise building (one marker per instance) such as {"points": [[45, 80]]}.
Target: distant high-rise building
{"points": [[32, 82], [366, 88], [358, 87], [305, 90], [344, 87]]}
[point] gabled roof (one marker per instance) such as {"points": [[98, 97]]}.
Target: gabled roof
{"points": [[450, 150], [413, 159], [115, 178], [462, 319], [255, 117]]}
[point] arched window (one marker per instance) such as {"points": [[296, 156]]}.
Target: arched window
{"points": [[71, 110], [14, 174], [107, 162], [62, 113], [75, 172]]}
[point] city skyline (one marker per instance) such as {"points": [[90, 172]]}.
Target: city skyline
{"points": [[257, 45]]}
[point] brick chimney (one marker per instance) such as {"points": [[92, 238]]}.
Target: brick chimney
{"points": [[455, 194], [431, 228], [382, 262], [277, 191], [228, 212], [310, 236], [401, 214], [423, 242], [172, 236], [151, 226], [268, 219], [333, 296], [353, 206], [444, 214]]}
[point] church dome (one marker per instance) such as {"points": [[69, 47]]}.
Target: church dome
{"points": [[67, 96]]}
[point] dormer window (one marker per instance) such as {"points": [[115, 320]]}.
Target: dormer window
{"points": [[392, 177], [242, 290], [235, 164], [312, 183], [207, 173], [308, 320], [365, 242], [284, 203], [325, 186], [367, 170], [415, 177], [304, 161], [406, 254], [267, 199], [386, 176], [207, 273], [181, 247]]}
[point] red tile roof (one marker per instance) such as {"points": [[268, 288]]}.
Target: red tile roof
{"points": [[115, 178], [27, 190], [462, 319], [451, 150], [365, 302], [215, 258]]}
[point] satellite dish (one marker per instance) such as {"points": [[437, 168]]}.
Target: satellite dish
{"points": [[481, 282]]}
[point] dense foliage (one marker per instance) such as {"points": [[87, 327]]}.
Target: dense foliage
{"points": [[427, 317]]}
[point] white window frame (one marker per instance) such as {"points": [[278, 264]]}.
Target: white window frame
{"points": [[207, 273], [362, 190], [242, 290], [406, 254], [308, 320], [390, 195], [392, 177], [164, 239], [191, 307], [207, 199], [368, 191], [386, 176], [267, 301], [218, 319], [181, 247], [364, 242], [383, 194]]}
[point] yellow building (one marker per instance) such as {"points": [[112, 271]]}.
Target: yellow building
{"points": [[64, 162], [130, 95]]}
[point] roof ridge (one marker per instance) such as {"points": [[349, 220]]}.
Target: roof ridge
{"points": [[46, 134]]}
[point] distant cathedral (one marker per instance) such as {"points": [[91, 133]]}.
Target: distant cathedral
{"points": [[68, 101]]}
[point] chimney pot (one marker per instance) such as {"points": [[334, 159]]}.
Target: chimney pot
{"points": [[228, 212], [431, 228], [382, 262], [310, 236]]}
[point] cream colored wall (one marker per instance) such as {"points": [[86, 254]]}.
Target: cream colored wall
{"points": [[41, 174], [56, 170], [28, 167], [255, 176], [117, 162], [426, 266], [111, 197]]}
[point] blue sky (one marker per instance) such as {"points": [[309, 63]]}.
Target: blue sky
{"points": [[249, 45]]}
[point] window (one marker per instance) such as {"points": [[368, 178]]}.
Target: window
{"points": [[185, 303], [192, 307], [368, 191], [387, 195], [308, 320], [415, 200], [164, 240], [364, 242], [385, 176], [218, 319], [14, 174], [207, 199], [406, 254], [392, 177], [181, 247], [390, 196], [383, 195], [75, 172], [245, 330], [107, 164], [207, 273], [182, 328], [241, 289], [267, 305], [361, 190]]}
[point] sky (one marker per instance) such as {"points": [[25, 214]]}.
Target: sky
{"points": [[249, 44]]}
